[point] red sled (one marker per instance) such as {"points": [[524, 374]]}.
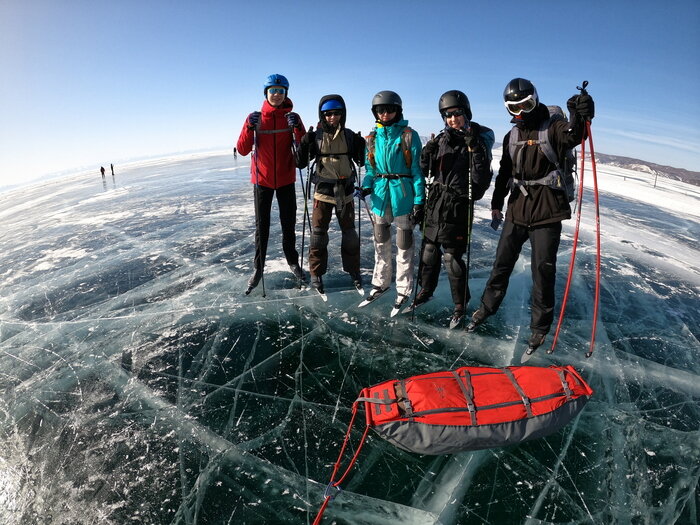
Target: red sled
{"points": [[470, 408]]}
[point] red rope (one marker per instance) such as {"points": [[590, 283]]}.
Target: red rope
{"points": [[336, 484], [573, 250], [597, 232]]}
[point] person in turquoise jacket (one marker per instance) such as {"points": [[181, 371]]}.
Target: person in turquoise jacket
{"points": [[395, 180]]}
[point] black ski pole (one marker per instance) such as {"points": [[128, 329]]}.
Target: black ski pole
{"points": [[259, 250], [304, 191]]}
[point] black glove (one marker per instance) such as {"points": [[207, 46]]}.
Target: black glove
{"points": [[362, 192], [417, 214], [254, 119], [292, 119], [470, 138], [431, 147], [585, 107]]}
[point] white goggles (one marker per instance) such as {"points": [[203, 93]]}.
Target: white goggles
{"points": [[525, 105]]}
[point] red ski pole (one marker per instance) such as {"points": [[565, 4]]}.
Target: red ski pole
{"points": [[597, 245], [572, 261]]}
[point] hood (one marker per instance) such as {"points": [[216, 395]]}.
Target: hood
{"points": [[322, 121]]}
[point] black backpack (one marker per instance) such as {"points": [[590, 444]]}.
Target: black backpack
{"points": [[563, 177]]}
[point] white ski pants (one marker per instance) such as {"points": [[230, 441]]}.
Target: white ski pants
{"points": [[404, 253]]}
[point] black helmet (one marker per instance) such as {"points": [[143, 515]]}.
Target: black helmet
{"points": [[455, 99], [520, 96], [388, 98]]}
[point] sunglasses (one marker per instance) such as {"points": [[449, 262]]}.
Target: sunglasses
{"points": [[455, 113], [332, 113], [521, 106], [385, 108], [277, 91]]}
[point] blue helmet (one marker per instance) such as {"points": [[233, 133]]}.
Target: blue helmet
{"points": [[333, 103], [276, 80]]}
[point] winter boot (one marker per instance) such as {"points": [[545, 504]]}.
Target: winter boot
{"points": [[297, 271], [478, 317], [253, 281], [457, 316], [535, 341], [317, 283], [357, 282]]}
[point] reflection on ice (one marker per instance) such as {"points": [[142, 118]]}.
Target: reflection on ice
{"points": [[140, 385]]}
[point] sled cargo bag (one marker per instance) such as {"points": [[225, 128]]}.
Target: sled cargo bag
{"points": [[473, 408]]}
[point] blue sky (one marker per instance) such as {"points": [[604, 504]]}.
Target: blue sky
{"points": [[87, 83]]}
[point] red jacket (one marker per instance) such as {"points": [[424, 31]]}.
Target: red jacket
{"points": [[273, 165]]}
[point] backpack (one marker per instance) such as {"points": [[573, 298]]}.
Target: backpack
{"points": [[406, 139], [349, 141], [563, 177]]}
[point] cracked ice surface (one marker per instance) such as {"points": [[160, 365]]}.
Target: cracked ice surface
{"points": [[139, 385]]}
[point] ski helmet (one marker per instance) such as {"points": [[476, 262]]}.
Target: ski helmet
{"points": [[332, 103], [275, 80], [329, 102], [520, 96], [389, 98], [455, 99]]}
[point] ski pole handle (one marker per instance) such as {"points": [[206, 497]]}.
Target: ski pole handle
{"points": [[582, 88]]}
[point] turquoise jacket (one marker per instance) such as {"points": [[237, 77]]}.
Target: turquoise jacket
{"points": [[403, 192]]}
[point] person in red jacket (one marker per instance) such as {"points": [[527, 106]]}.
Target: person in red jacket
{"points": [[273, 171]]}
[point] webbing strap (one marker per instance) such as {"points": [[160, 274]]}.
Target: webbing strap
{"points": [[468, 392], [509, 374], [400, 388], [394, 176], [268, 131], [565, 385]]}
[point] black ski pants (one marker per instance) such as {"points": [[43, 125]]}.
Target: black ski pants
{"points": [[287, 204], [350, 243], [544, 244], [431, 258]]}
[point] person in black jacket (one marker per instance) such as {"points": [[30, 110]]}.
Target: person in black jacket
{"points": [[458, 164], [336, 150], [535, 207]]}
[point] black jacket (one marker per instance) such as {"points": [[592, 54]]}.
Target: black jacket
{"points": [[451, 165], [543, 205]]}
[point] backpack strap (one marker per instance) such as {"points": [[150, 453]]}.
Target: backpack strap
{"points": [[516, 147], [406, 141]]}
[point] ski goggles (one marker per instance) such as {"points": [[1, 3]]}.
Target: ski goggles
{"points": [[455, 113], [333, 113], [385, 108], [276, 91], [525, 105]]}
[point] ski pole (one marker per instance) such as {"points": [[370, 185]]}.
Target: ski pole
{"points": [[261, 258], [597, 232], [572, 261], [305, 217]]}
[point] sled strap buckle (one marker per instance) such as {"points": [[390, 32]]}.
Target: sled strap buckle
{"points": [[329, 493], [526, 401], [468, 391], [567, 391]]}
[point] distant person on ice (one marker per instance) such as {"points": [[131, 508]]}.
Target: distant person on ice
{"points": [[102, 171], [235, 153], [336, 150], [536, 205], [458, 165], [111, 166], [273, 171], [394, 178]]}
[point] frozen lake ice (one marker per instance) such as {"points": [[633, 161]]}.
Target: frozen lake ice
{"points": [[139, 384]]}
